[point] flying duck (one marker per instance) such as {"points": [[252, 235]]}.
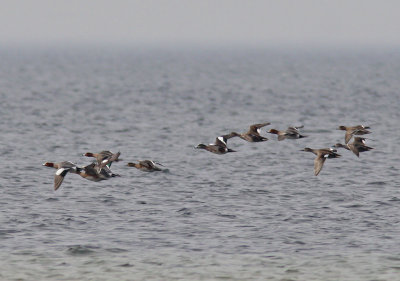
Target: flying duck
{"points": [[104, 157], [358, 145], [355, 130], [253, 134], [322, 154], [146, 166], [290, 133], [62, 170], [94, 173], [219, 147]]}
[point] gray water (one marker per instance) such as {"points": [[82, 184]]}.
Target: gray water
{"points": [[257, 214]]}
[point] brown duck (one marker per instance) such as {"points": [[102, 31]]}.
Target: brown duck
{"points": [[322, 154], [253, 134], [62, 170], [146, 166], [355, 130], [219, 147], [290, 133], [104, 158], [358, 145]]}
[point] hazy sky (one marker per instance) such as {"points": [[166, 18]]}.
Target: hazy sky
{"points": [[202, 22]]}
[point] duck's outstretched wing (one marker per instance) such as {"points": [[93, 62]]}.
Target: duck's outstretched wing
{"points": [[348, 136], [231, 135], [354, 148], [156, 168], [67, 164], [147, 164], [281, 137], [221, 141], [293, 130], [318, 164], [357, 131], [108, 160], [59, 177], [255, 128]]}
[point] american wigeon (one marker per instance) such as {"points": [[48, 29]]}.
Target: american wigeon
{"points": [[321, 154], [90, 172], [290, 133], [104, 158], [93, 173], [219, 147], [354, 130], [358, 145], [62, 170], [253, 134], [146, 166]]}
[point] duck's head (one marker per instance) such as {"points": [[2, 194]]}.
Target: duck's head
{"points": [[48, 164], [201, 146], [306, 149], [273, 131], [341, 128], [88, 154], [130, 164]]}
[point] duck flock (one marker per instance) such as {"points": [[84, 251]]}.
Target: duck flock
{"points": [[100, 168]]}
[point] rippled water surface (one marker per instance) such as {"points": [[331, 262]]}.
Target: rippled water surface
{"points": [[257, 214]]}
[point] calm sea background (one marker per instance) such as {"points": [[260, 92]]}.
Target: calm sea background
{"points": [[257, 214]]}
